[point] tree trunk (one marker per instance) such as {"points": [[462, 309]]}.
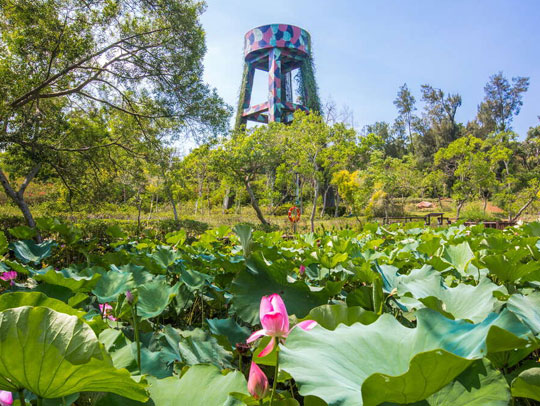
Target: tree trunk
{"points": [[199, 196], [172, 201], [485, 204], [18, 197], [314, 208], [238, 202], [151, 208], [254, 203], [459, 207], [300, 198], [524, 207], [440, 201], [139, 207], [325, 198], [226, 199]]}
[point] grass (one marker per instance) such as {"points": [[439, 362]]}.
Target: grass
{"points": [[215, 217]]}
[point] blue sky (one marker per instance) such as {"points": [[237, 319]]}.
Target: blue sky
{"points": [[365, 49]]}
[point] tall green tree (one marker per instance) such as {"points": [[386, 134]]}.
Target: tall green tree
{"points": [[440, 112], [248, 154], [405, 104], [64, 59], [502, 102]]}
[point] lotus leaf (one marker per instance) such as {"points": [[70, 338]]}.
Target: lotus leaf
{"points": [[387, 362], [201, 385], [54, 355]]}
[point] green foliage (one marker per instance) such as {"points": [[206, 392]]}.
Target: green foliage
{"points": [[201, 385], [407, 315], [441, 346], [36, 339]]}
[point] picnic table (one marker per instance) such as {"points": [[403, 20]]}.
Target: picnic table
{"points": [[426, 219]]}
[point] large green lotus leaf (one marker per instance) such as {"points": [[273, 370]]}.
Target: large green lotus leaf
{"points": [[28, 251], [155, 363], [201, 385], [196, 347], [390, 276], [459, 256], [527, 309], [165, 257], [53, 355], [111, 285], [387, 362], [527, 384], [19, 299], [331, 316], [119, 348], [508, 267], [478, 385], [195, 280], [261, 278], [67, 278], [244, 233], [467, 302], [23, 232], [154, 297], [110, 399], [230, 329], [140, 275], [533, 228]]}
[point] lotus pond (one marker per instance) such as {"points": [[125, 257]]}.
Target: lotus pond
{"points": [[381, 316]]}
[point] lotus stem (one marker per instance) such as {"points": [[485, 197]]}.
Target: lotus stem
{"points": [[202, 310], [276, 372], [240, 362], [22, 401], [39, 401], [137, 339]]}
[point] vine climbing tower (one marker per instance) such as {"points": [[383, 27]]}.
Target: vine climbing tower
{"points": [[278, 49]]}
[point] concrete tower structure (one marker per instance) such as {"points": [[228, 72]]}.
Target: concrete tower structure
{"points": [[278, 49]]}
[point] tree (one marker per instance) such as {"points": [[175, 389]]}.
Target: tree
{"points": [[440, 111], [247, 154], [308, 136], [404, 102], [392, 141], [502, 101], [471, 165], [522, 185], [66, 59]]}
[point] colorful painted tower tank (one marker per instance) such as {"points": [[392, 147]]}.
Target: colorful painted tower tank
{"points": [[278, 49]]}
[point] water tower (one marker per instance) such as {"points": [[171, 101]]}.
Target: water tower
{"points": [[278, 49]]}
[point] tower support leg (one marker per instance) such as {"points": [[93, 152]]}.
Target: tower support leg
{"points": [[275, 105], [245, 93]]}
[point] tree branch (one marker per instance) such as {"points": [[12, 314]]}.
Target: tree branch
{"points": [[31, 175], [32, 94]]}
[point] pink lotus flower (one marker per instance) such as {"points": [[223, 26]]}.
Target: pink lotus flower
{"points": [[257, 382], [275, 322], [6, 398], [9, 276], [107, 311], [302, 270]]}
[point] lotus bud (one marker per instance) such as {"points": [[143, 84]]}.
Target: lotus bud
{"points": [[129, 297], [257, 382]]}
